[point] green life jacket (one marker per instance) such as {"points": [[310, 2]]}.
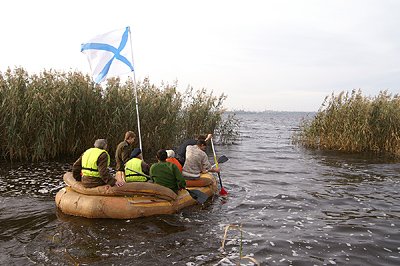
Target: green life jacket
{"points": [[89, 162], [134, 164]]}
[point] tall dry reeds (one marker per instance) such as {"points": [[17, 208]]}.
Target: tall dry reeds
{"points": [[352, 122], [57, 113]]}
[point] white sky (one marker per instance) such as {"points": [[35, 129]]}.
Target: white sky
{"points": [[265, 55]]}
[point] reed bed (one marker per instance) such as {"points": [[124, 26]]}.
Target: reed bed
{"points": [[352, 122], [56, 113]]}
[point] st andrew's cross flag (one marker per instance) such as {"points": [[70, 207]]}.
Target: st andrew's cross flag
{"points": [[109, 54]]}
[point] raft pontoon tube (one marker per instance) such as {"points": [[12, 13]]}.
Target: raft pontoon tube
{"points": [[132, 200]]}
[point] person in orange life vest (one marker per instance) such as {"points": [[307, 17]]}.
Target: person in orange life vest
{"points": [[93, 164], [137, 164], [171, 158]]}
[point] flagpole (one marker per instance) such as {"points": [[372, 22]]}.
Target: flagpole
{"points": [[136, 100]]}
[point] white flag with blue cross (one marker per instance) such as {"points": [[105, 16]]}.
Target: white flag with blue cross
{"points": [[109, 54]]}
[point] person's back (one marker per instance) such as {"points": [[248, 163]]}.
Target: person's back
{"points": [[93, 164], [131, 176], [196, 161], [166, 174], [137, 165], [176, 162], [123, 150], [171, 158], [181, 150]]}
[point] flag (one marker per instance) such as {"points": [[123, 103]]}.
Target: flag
{"points": [[109, 54]]}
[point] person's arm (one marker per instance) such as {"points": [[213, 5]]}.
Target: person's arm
{"points": [[125, 156], [180, 180], [145, 168], [77, 169], [102, 164], [215, 170], [205, 164], [209, 136], [151, 172]]}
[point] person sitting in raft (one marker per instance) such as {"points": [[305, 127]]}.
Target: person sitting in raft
{"points": [[181, 150], [171, 158], [166, 174], [123, 150], [93, 164], [197, 161], [137, 164]]}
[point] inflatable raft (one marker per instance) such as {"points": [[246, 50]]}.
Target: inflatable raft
{"points": [[132, 200]]}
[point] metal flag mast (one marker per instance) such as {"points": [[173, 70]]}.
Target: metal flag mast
{"points": [[136, 100]]}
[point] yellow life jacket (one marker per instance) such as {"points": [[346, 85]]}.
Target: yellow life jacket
{"points": [[89, 162], [134, 164]]}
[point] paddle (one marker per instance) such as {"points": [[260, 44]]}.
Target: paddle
{"points": [[137, 172], [198, 195], [221, 159], [216, 163], [195, 194]]}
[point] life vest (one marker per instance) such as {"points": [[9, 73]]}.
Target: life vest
{"points": [[134, 164], [89, 162]]}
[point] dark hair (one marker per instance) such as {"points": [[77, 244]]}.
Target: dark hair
{"points": [[162, 155], [201, 142], [201, 137]]}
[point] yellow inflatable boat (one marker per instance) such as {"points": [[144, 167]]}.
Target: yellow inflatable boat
{"points": [[132, 200]]}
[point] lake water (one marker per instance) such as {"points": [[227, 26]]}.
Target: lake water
{"points": [[297, 207]]}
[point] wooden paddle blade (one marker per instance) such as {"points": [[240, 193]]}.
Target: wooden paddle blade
{"points": [[222, 159], [198, 195]]}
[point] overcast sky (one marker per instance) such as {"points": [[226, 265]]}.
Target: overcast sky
{"points": [[265, 55]]}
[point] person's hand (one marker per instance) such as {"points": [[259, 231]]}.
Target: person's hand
{"points": [[209, 136], [217, 170], [119, 183]]}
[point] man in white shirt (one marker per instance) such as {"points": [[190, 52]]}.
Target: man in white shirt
{"points": [[197, 161]]}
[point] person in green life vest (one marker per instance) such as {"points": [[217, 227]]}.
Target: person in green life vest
{"points": [[137, 164], [92, 167], [166, 173], [123, 150]]}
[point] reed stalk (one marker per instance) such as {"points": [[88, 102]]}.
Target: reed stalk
{"points": [[352, 122], [56, 113], [240, 244]]}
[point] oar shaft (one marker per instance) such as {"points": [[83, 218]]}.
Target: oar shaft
{"points": [[219, 176], [137, 172], [215, 156]]}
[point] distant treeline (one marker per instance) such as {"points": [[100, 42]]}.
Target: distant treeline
{"points": [[352, 122], [56, 113]]}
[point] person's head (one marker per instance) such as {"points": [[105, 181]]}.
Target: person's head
{"points": [[100, 144], [161, 155], [136, 153], [130, 137], [170, 154], [203, 137], [202, 144]]}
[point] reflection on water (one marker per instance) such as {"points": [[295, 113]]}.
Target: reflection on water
{"points": [[298, 207]]}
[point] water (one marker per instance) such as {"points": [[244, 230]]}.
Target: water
{"points": [[297, 207]]}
